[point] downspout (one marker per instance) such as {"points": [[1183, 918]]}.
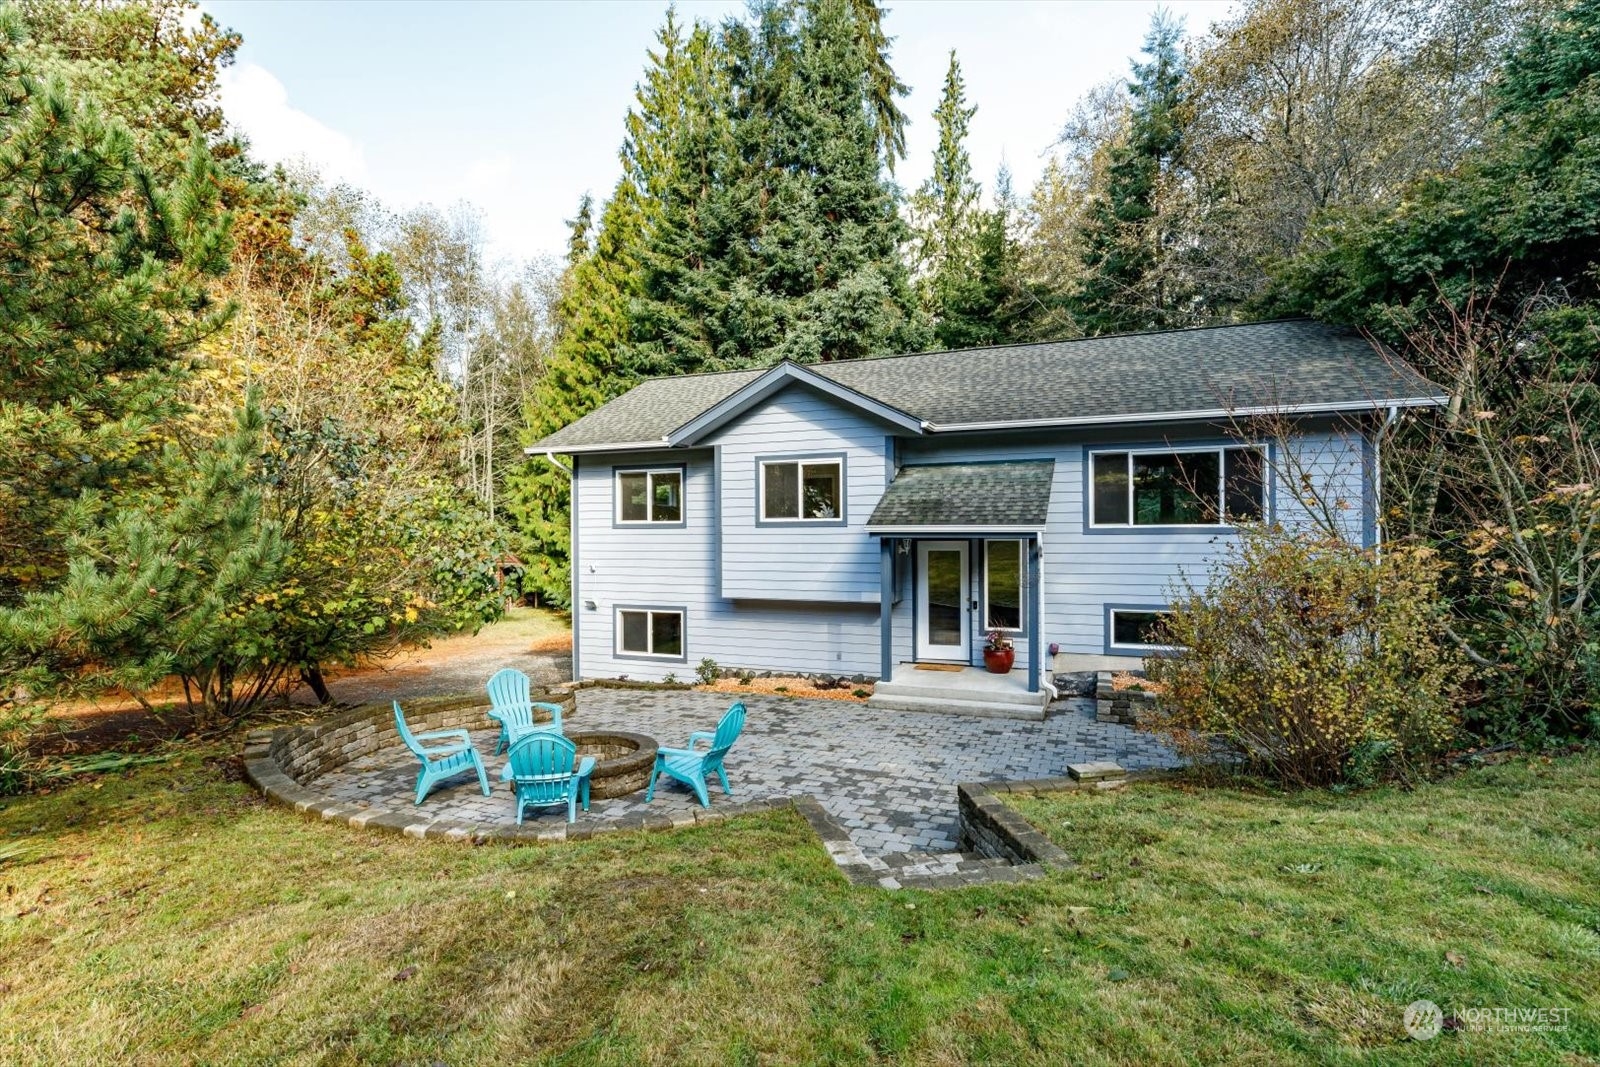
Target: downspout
{"points": [[572, 554], [1047, 680]]}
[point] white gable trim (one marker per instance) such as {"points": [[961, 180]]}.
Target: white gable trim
{"points": [[778, 377]]}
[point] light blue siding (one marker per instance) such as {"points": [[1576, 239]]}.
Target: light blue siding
{"points": [[1083, 571], [805, 600], [676, 567], [823, 563]]}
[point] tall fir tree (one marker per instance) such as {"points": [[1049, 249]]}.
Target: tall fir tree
{"points": [[884, 87], [798, 237], [946, 214], [1125, 286]]}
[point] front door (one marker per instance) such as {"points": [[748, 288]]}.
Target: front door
{"points": [[942, 601]]}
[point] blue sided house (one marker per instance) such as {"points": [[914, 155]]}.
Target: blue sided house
{"points": [[879, 517]]}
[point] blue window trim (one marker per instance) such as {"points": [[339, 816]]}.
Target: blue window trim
{"points": [[1269, 498], [1132, 651], [645, 468], [645, 657], [805, 524]]}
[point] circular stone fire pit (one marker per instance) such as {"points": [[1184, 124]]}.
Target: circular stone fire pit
{"points": [[622, 761]]}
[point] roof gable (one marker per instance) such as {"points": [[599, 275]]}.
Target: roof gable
{"points": [[758, 391]]}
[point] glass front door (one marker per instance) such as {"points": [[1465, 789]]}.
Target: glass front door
{"points": [[942, 601]]}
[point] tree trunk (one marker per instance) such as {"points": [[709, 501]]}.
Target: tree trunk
{"points": [[312, 676]]}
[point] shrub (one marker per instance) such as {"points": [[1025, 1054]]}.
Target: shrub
{"points": [[708, 671], [1312, 661]]}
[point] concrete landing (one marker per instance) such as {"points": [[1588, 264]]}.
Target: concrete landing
{"points": [[970, 691]]}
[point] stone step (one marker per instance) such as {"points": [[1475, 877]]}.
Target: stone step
{"points": [[1032, 712]]}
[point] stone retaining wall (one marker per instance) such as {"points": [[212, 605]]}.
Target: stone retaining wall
{"points": [[304, 753], [1119, 705]]}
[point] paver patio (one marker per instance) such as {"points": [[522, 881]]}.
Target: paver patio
{"points": [[887, 777]]}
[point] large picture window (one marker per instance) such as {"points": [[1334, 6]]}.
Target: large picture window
{"points": [[1192, 487], [802, 491], [1002, 585], [654, 632], [650, 496], [1139, 629]]}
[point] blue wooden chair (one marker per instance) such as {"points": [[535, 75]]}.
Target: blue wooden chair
{"points": [[511, 706], [694, 768], [540, 770], [440, 761]]}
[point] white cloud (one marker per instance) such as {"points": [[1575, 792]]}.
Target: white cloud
{"points": [[258, 104]]}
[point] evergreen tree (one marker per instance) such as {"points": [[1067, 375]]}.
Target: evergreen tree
{"points": [[948, 220], [884, 85], [105, 297], [798, 238], [1124, 285], [184, 584], [986, 303]]}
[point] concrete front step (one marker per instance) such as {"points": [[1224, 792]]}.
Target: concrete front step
{"points": [[1032, 712]]}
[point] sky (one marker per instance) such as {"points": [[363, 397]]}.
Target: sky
{"points": [[517, 108]]}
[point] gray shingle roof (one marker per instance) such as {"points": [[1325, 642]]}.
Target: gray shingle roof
{"points": [[1267, 365], [1015, 495]]}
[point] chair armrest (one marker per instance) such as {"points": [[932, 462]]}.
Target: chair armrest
{"points": [[505, 772], [585, 767], [441, 734], [702, 735], [664, 750]]}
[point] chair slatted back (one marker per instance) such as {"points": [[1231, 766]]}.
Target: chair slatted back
{"points": [[728, 731], [406, 735], [509, 689], [541, 767]]}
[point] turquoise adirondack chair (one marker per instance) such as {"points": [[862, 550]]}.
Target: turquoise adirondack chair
{"points": [[694, 768], [540, 769], [511, 706], [440, 761]]}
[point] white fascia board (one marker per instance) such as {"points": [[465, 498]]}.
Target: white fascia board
{"points": [[578, 450], [769, 383], [1187, 416]]}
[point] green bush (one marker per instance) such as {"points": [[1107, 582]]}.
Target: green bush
{"points": [[1311, 661], [707, 671]]}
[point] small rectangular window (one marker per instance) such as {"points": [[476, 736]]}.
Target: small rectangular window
{"points": [[1002, 585], [650, 632], [1139, 629], [802, 491], [650, 496]]}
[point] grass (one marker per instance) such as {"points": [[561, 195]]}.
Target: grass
{"points": [[166, 915]]}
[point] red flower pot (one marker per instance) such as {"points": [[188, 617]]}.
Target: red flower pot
{"points": [[999, 660]]}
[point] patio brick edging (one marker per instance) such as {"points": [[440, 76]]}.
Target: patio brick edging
{"points": [[284, 763]]}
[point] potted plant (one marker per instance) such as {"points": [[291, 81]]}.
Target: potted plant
{"points": [[998, 655]]}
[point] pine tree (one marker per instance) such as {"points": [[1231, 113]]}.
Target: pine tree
{"points": [[182, 585], [1124, 287], [105, 297]]}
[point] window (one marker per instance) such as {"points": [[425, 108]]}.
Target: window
{"points": [[1198, 487], [650, 496], [802, 491], [650, 632], [1002, 585], [1138, 628]]}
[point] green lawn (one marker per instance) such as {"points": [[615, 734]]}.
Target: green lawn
{"points": [[169, 916]]}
